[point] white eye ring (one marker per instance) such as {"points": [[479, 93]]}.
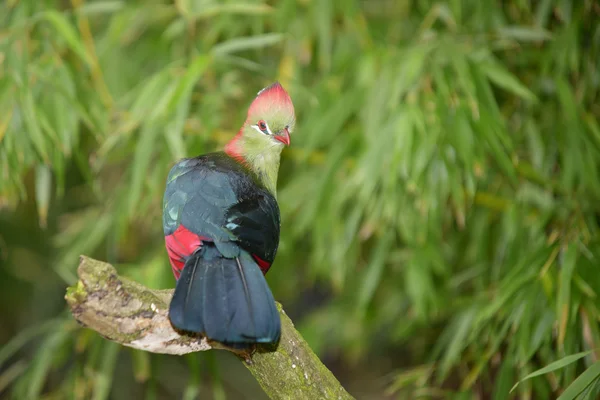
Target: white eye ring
{"points": [[262, 127]]}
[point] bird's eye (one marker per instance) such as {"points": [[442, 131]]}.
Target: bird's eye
{"points": [[262, 125]]}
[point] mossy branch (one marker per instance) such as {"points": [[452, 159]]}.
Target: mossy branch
{"points": [[130, 314]]}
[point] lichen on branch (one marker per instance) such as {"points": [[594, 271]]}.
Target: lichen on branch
{"points": [[133, 315]]}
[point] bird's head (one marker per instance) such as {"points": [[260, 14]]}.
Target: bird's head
{"points": [[267, 129], [270, 117]]}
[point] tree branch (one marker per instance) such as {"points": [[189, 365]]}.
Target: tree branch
{"points": [[130, 314]]}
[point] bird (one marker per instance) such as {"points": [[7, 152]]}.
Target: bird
{"points": [[221, 224]]}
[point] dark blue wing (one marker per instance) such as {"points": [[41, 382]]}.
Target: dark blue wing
{"points": [[255, 223], [214, 196]]}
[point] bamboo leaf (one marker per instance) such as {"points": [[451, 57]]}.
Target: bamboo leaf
{"points": [[10, 374], [507, 81], [194, 384], [564, 289], [40, 366], [69, 34], [247, 43], [141, 365], [32, 122], [505, 377], [558, 364], [101, 7], [43, 191], [184, 89], [179, 105], [141, 162], [524, 33], [458, 334], [103, 377], [374, 271], [587, 378], [231, 8], [19, 340]]}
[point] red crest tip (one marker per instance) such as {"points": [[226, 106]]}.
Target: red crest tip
{"points": [[271, 99]]}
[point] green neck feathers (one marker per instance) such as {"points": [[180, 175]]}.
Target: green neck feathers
{"points": [[260, 155]]}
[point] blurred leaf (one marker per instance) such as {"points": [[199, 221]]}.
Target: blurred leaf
{"points": [[101, 7], [374, 271], [103, 377], [247, 43], [141, 162], [17, 342], [40, 366], [33, 126], [558, 364], [184, 88], [502, 388], [217, 386], [179, 104], [564, 289], [231, 8], [192, 388], [141, 365], [587, 378], [11, 373], [43, 191], [507, 81], [457, 335], [524, 33], [69, 34]]}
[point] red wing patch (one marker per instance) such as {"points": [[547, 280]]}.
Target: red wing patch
{"points": [[180, 245], [263, 265]]}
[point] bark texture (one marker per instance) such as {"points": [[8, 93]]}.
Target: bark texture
{"points": [[131, 314]]}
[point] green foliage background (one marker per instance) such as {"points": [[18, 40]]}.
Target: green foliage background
{"points": [[440, 200]]}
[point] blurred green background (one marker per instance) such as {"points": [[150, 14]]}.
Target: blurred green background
{"points": [[440, 200]]}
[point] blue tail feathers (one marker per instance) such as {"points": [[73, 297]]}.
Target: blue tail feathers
{"points": [[226, 299]]}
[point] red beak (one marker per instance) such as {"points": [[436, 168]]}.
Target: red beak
{"points": [[284, 137]]}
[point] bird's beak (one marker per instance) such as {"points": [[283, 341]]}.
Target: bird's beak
{"points": [[284, 137]]}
